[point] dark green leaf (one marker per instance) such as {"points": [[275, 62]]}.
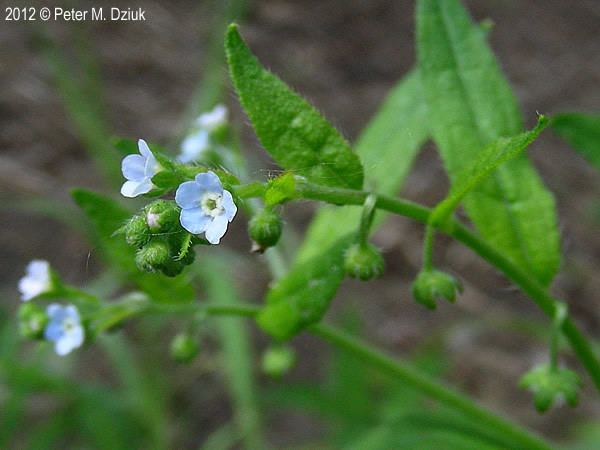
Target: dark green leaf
{"points": [[291, 130], [582, 131], [471, 105]]}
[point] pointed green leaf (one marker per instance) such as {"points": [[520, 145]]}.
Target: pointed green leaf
{"points": [[291, 130], [488, 160], [471, 105], [582, 131], [107, 216], [391, 139]]}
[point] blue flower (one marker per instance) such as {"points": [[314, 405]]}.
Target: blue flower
{"points": [[37, 280], [64, 328], [205, 206], [193, 146], [139, 170]]}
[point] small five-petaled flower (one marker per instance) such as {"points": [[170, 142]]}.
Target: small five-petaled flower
{"points": [[64, 328], [139, 170], [197, 142], [206, 207], [37, 280]]}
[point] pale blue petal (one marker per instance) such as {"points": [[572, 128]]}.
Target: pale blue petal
{"points": [[38, 268], [210, 182], [53, 331], [143, 148], [228, 205], [134, 188], [194, 220], [53, 309], [188, 195], [151, 167], [132, 167], [71, 311], [69, 342], [216, 229], [193, 146]]}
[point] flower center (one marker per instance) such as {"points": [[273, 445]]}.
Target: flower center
{"points": [[212, 204], [68, 325]]}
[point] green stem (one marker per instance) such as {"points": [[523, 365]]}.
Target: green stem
{"points": [[498, 426], [460, 232], [428, 247]]}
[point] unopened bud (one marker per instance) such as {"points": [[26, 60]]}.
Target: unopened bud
{"points": [[265, 229], [137, 232], [184, 348], [363, 261], [32, 321], [153, 256], [433, 285], [162, 216], [277, 360]]}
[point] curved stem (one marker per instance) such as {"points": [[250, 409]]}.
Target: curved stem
{"points": [[460, 232], [428, 247], [498, 427]]}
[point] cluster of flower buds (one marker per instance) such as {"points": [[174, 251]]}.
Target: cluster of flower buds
{"points": [[162, 243]]}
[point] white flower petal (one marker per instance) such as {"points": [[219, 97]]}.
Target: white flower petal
{"points": [[38, 268], [194, 220], [134, 188], [210, 182], [213, 119], [132, 167], [193, 146], [188, 195], [216, 229], [228, 205]]}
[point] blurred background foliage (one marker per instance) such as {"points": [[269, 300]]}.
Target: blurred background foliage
{"points": [[69, 87]]}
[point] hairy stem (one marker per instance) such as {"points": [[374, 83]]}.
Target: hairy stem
{"points": [[460, 232], [498, 427]]}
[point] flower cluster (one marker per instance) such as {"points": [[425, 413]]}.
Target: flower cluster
{"points": [[201, 137], [59, 324]]}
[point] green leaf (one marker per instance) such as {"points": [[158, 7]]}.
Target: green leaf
{"points": [[107, 216], [488, 160], [291, 130], [392, 138], [471, 105], [280, 189], [302, 297], [582, 131]]}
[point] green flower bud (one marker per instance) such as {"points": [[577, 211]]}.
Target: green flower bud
{"points": [[172, 268], [32, 321], [433, 285], [137, 232], [277, 360], [265, 229], [363, 261], [184, 348], [153, 256], [162, 216], [551, 384]]}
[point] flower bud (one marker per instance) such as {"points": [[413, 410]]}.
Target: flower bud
{"points": [[162, 216], [153, 256], [363, 261], [184, 348], [32, 321], [265, 229], [277, 360], [137, 232], [551, 384], [433, 285]]}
